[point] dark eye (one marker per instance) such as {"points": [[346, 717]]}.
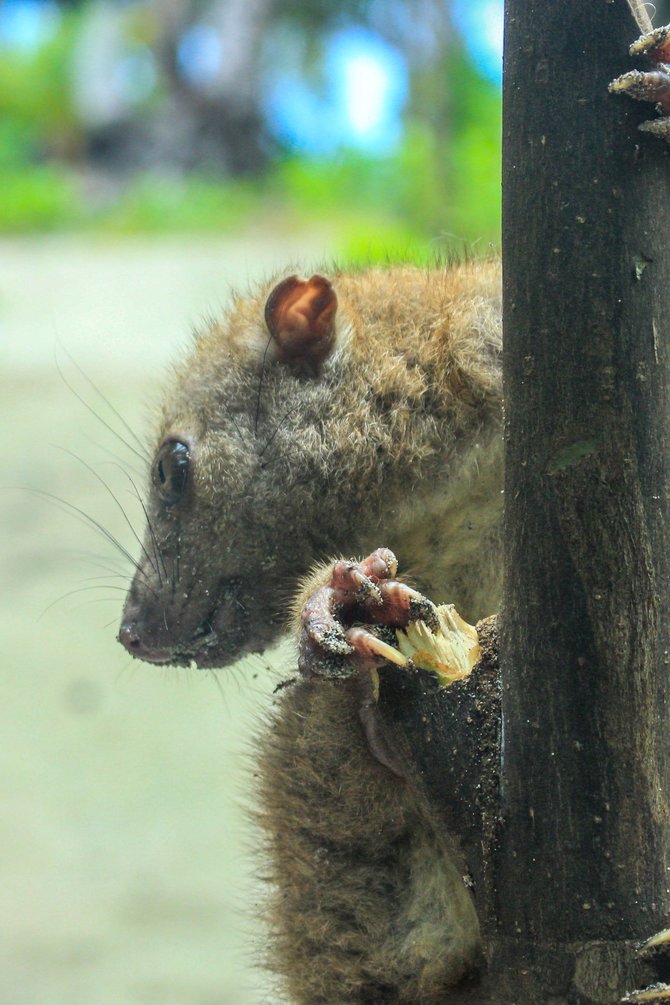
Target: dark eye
{"points": [[170, 471]]}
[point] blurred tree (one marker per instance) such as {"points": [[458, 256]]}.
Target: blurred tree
{"points": [[378, 100], [190, 97]]}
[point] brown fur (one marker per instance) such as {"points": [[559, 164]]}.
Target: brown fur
{"points": [[369, 902], [394, 439]]}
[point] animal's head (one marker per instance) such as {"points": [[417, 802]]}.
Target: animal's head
{"points": [[245, 482]]}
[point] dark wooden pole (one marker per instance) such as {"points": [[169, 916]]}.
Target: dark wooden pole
{"points": [[585, 838]]}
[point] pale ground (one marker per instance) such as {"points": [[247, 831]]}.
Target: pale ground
{"points": [[126, 862]]}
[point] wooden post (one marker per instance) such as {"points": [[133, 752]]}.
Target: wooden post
{"points": [[584, 858]]}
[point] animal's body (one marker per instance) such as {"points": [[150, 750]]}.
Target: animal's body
{"points": [[320, 418]]}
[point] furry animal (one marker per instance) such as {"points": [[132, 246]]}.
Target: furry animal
{"points": [[323, 417]]}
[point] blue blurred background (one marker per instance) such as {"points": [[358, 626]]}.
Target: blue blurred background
{"points": [[152, 115]]}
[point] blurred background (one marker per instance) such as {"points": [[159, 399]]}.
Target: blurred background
{"points": [[154, 155], [381, 116]]}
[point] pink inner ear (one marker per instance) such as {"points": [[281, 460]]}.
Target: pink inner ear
{"points": [[300, 315]]}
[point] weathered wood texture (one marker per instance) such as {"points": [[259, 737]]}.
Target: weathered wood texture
{"points": [[585, 630]]}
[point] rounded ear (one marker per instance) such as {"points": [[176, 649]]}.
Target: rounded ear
{"points": [[300, 315]]}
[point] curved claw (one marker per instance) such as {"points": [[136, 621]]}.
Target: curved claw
{"points": [[402, 605], [370, 648], [655, 44], [364, 588], [423, 609], [358, 594], [329, 636], [651, 86], [657, 127], [658, 943], [359, 579], [655, 994], [349, 623]]}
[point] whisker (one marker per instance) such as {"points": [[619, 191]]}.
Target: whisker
{"points": [[260, 385], [90, 522], [231, 416], [122, 462], [91, 558], [107, 575], [110, 406], [81, 589], [276, 430], [98, 600], [157, 550], [143, 456], [211, 673], [129, 668], [117, 501]]}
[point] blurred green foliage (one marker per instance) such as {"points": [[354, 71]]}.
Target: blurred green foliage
{"points": [[36, 112], [37, 198], [439, 189], [151, 204]]}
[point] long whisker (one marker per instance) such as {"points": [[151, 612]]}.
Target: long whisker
{"points": [[260, 385], [99, 600], [116, 500], [91, 558], [107, 575], [91, 522], [122, 462], [231, 416], [138, 453], [81, 589], [276, 430], [154, 540], [126, 425]]}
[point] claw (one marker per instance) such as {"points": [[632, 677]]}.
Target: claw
{"points": [[422, 609], [655, 993], [651, 86], [353, 594], [349, 582], [363, 618], [655, 44], [366, 589], [369, 646], [657, 127], [402, 605], [657, 943], [381, 564], [329, 636]]}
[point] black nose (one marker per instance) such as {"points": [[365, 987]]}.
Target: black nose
{"points": [[143, 648], [130, 638]]}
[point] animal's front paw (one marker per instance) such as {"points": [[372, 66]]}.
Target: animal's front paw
{"points": [[349, 623], [361, 617], [651, 85]]}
